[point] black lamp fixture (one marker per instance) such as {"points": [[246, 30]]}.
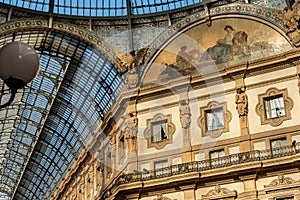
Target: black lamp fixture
{"points": [[19, 65]]}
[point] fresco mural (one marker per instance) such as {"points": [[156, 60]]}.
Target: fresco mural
{"points": [[228, 41]]}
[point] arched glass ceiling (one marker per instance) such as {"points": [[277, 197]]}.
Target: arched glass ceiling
{"points": [[101, 8], [44, 130]]}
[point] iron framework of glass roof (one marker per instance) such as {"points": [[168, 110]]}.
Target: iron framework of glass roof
{"points": [[50, 121], [101, 8]]}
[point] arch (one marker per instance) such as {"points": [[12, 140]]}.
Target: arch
{"points": [[238, 11]]}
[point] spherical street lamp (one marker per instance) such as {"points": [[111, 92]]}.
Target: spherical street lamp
{"points": [[19, 65]]}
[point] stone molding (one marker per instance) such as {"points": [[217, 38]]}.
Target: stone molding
{"points": [[148, 132], [202, 122], [260, 107]]}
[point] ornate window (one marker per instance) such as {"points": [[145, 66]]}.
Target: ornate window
{"points": [[159, 131], [274, 106], [214, 119]]}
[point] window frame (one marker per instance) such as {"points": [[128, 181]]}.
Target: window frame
{"points": [[216, 159], [274, 154], [203, 121], [153, 135], [161, 173], [261, 108], [148, 133], [268, 111]]}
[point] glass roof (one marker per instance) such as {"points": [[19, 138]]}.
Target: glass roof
{"points": [[50, 121], [101, 8]]}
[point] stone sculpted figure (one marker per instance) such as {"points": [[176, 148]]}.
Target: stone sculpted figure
{"points": [[130, 63], [241, 101], [185, 114]]}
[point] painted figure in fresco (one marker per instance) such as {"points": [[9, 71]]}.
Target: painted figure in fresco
{"points": [[183, 59], [230, 32], [234, 43]]}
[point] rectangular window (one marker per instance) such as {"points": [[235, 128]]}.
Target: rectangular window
{"points": [[159, 130], [109, 163], [279, 146], [217, 158], [284, 198], [121, 149], [160, 168], [274, 107], [214, 119]]}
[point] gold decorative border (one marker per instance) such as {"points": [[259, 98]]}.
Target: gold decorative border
{"points": [[148, 133], [288, 105], [202, 119]]}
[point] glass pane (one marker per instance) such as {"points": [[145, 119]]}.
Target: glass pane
{"points": [[215, 119], [161, 164], [216, 154], [274, 107], [159, 131], [278, 143]]}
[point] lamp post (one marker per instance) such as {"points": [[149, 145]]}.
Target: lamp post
{"points": [[19, 65]]}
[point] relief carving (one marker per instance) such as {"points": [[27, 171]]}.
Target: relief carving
{"points": [[282, 183], [130, 63], [241, 101], [130, 128], [220, 193], [281, 180], [160, 197], [185, 114], [291, 19]]}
